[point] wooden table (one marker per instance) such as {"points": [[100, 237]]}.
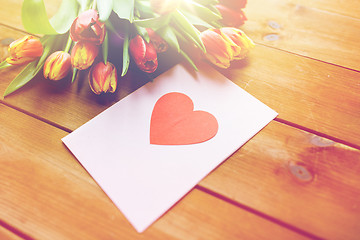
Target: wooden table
{"points": [[299, 178]]}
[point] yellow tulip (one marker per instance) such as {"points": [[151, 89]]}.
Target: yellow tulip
{"points": [[57, 65], [24, 50], [241, 43], [83, 55], [103, 78], [218, 48]]}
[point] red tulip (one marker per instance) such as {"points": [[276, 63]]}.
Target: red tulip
{"points": [[159, 43], [230, 17], [87, 27], [83, 55], [57, 65], [103, 78], [24, 50], [144, 54]]}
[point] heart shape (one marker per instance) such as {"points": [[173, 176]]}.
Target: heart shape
{"points": [[174, 122]]}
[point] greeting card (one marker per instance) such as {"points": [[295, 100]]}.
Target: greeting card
{"points": [[152, 147]]}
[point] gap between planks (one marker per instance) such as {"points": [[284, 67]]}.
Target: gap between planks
{"points": [[14, 230], [258, 213]]}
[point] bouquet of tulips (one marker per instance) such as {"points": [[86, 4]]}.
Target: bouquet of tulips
{"points": [[82, 34]]}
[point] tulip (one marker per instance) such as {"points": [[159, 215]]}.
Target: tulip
{"points": [[103, 78], [234, 4], [159, 43], [144, 54], [164, 6], [24, 50], [83, 55], [57, 65], [242, 43], [87, 27], [218, 49], [231, 17]]}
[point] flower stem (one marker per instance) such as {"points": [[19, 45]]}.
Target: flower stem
{"points": [[68, 44], [94, 5]]}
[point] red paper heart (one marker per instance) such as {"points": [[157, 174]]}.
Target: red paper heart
{"points": [[174, 122]]}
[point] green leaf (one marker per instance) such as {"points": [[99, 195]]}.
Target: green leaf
{"points": [[22, 78], [35, 20], [126, 55], [188, 29], [51, 44], [74, 75], [104, 7], [169, 36], [84, 5], [4, 64], [105, 48], [144, 7], [201, 12], [188, 59], [195, 20], [142, 31], [154, 23], [124, 9]]}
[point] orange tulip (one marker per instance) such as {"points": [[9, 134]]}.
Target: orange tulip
{"points": [[144, 54], [87, 27], [218, 48], [24, 50], [103, 78], [242, 43], [231, 17], [57, 65], [83, 55]]}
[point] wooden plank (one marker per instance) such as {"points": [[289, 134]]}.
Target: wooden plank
{"points": [[349, 8], [48, 195], [304, 30], [7, 235], [309, 93], [10, 12], [297, 177]]}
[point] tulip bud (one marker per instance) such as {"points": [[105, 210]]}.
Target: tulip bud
{"points": [[87, 27], [230, 17], [159, 43], [83, 55], [164, 6], [242, 43], [103, 78], [218, 48], [57, 65], [144, 54], [24, 50]]}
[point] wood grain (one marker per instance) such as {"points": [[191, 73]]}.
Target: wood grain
{"points": [[297, 177], [349, 8], [10, 12], [305, 30], [309, 93], [48, 195]]}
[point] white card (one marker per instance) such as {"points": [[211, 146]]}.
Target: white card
{"points": [[145, 178]]}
